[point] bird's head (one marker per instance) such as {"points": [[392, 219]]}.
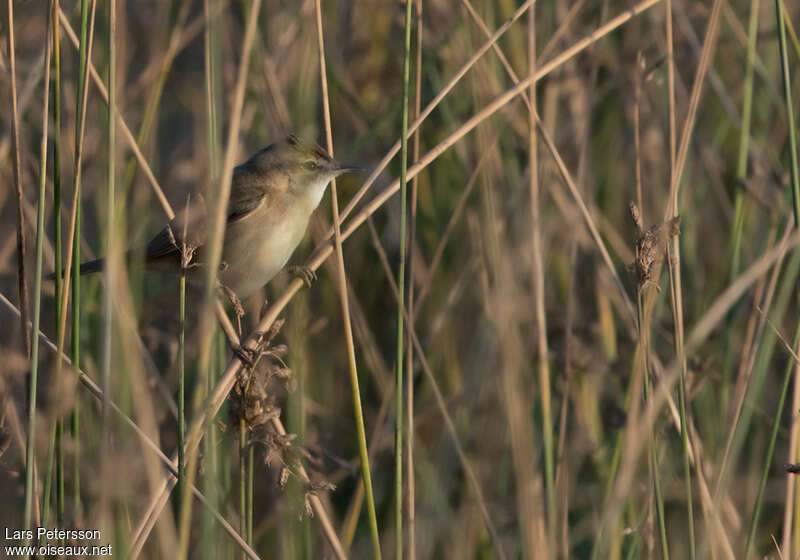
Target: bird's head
{"points": [[308, 167]]}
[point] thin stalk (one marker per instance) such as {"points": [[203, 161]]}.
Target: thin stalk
{"points": [[182, 380], [72, 263], [342, 285], [645, 337], [787, 94], [771, 447], [22, 282], [47, 486], [684, 418], [32, 381], [782, 20], [792, 33], [538, 291], [37, 290], [411, 500], [56, 74], [675, 289], [211, 474], [48, 479], [243, 473], [744, 139], [108, 271], [401, 283], [250, 482], [76, 262]]}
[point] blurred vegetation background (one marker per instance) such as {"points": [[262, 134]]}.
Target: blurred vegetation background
{"points": [[550, 449]]}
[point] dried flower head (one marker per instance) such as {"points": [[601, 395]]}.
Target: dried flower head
{"points": [[651, 247]]}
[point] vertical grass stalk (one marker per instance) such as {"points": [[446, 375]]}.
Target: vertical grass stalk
{"points": [[211, 478], [795, 187], [108, 270], [411, 483], [181, 379], [538, 291], [787, 95], [739, 206], [644, 336], [676, 291], [32, 380], [345, 308], [37, 290], [56, 76], [401, 282], [76, 262]]}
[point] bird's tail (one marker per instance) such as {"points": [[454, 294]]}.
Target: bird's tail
{"points": [[86, 268]]}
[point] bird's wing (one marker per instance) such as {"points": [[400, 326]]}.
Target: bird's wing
{"points": [[249, 190], [188, 227]]}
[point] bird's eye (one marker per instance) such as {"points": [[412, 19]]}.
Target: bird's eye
{"points": [[311, 165]]}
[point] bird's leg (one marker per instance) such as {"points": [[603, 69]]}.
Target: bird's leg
{"points": [[305, 273], [248, 356]]}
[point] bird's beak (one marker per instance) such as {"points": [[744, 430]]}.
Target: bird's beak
{"points": [[340, 168]]}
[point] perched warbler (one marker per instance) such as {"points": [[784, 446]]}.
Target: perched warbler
{"points": [[272, 197]]}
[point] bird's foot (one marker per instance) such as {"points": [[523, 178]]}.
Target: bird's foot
{"points": [[248, 356], [305, 273]]}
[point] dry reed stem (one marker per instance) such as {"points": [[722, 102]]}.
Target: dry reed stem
{"points": [[674, 262], [709, 43], [538, 289]]}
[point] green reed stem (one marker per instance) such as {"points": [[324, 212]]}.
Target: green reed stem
{"points": [[37, 290], [401, 283], [787, 94], [182, 381], [76, 265]]}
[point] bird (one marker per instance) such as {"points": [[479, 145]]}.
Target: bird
{"points": [[273, 195]]}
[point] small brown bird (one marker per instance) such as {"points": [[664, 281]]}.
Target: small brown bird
{"points": [[273, 195]]}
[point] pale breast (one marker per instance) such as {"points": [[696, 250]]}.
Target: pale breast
{"points": [[258, 246]]}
